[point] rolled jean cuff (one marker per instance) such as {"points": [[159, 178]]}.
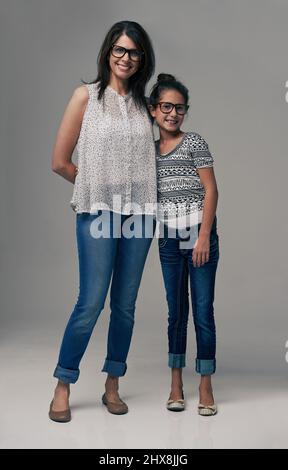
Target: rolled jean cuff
{"points": [[118, 369], [66, 375], [205, 366], [176, 360]]}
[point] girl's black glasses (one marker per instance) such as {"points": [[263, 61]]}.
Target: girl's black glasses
{"points": [[166, 107]]}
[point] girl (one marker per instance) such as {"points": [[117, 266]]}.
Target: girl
{"points": [[188, 244], [114, 185]]}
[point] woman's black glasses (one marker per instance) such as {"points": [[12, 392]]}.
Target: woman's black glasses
{"points": [[119, 51]]}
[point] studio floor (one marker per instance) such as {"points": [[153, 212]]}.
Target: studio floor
{"points": [[252, 407]]}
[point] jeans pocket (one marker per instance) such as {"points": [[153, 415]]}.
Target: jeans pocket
{"points": [[162, 242]]}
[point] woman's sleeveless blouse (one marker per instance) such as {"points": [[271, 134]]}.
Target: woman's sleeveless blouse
{"points": [[116, 157]]}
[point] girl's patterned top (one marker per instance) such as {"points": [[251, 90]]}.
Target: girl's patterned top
{"points": [[180, 191], [116, 156]]}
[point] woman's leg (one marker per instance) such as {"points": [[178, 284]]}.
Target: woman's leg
{"points": [[175, 274], [96, 260], [202, 281], [129, 265]]}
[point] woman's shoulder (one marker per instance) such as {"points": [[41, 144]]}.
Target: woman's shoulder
{"points": [[81, 93], [87, 90]]}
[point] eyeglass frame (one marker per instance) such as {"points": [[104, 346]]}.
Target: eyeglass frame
{"points": [[173, 106], [141, 53]]}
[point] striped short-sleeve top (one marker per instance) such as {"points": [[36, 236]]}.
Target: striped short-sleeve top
{"points": [[180, 190], [116, 156]]}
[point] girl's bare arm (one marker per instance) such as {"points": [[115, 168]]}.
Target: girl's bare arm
{"points": [[201, 249], [208, 180]]}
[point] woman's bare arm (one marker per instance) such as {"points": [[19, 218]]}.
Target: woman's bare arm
{"points": [[68, 133]]}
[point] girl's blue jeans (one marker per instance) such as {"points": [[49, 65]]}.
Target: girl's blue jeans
{"points": [[177, 269], [102, 259]]}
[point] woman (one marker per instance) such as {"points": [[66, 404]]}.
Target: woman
{"points": [[188, 244], [115, 189]]}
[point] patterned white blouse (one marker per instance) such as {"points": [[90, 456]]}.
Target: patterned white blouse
{"points": [[116, 156]]}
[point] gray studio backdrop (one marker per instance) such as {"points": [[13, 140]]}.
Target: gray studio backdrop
{"points": [[232, 56]]}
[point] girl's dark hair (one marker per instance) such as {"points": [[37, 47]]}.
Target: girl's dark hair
{"points": [[138, 81], [165, 81]]}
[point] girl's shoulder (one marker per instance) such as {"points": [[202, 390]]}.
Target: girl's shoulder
{"points": [[194, 136], [196, 141]]}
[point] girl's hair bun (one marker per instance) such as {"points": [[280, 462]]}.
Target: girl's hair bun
{"points": [[165, 77]]}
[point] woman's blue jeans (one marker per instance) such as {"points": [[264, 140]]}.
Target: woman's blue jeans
{"points": [[101, 259], [177, 268]]}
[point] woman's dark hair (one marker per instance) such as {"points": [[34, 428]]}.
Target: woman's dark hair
{"points": [[138, 81], [167, 82]]}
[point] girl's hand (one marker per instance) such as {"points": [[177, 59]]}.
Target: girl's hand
{"points": [[201, 250]]}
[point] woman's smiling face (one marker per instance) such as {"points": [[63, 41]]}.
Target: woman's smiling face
{"points": [[123, 68], [170, 122]]}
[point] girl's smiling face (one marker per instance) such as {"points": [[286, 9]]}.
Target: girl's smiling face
{"points": [[170, 122]]}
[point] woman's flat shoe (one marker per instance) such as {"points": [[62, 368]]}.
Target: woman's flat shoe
{"points": [[209, 410], [59, 416], [115, 408]]}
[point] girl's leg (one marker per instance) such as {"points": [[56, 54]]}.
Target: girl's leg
{"points": [[205, 391], [96, 260], [202, 281], [175, 274], [176, 384]]}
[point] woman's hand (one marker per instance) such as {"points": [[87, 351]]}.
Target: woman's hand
{"points": [[201, 249]]}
